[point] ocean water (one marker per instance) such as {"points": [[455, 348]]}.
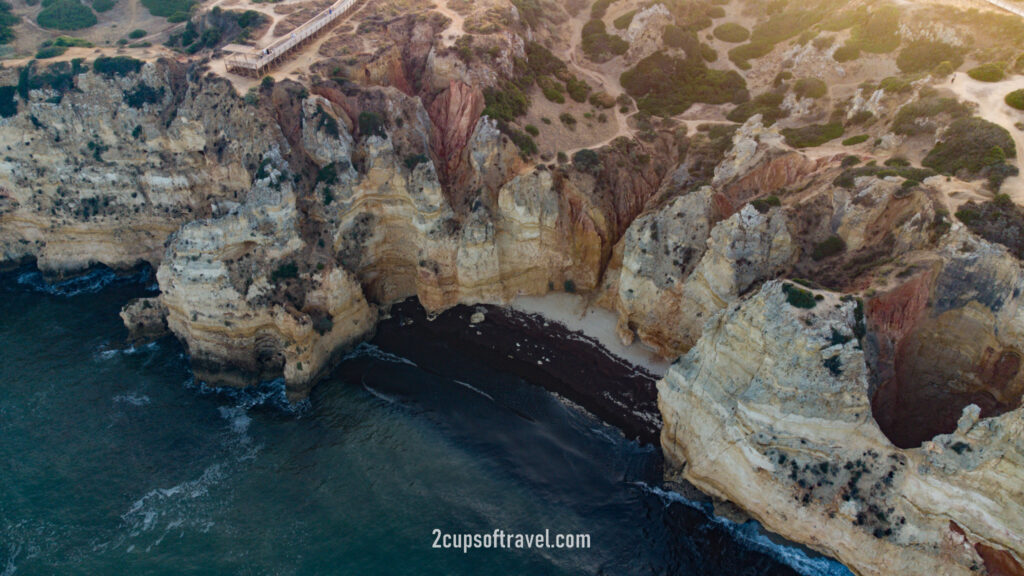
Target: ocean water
{"points": [[113, 460]]}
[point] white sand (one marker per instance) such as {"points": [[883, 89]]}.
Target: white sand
{"points": [[597, 323]]}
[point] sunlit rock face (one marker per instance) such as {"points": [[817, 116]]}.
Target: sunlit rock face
{"points": [[771, 410]]}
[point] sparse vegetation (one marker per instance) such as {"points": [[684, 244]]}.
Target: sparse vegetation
{"points": [[143, 94], [921, 116], [829, 247], [371, 124], [768, 105]]}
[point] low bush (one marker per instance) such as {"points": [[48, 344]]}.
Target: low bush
{"points": [[173, 10], [854, 140], [103, 5], [732, 32], [111, 66], [926, 55], [827, 248], [812, 135], [969, 145], [371, 124], [665, 85], [623, 22], [66, 15], [1015, 99], [137, 33], [8, 105], [7, 22], [505, 103], [798, 297], [846, 53], [810, 88], [768, 105], [598, 45], [993, 72]]}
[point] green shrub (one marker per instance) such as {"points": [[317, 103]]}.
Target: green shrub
{"points": [[1016, 99], [849, 161], [846, 54], [173, 10], [66, 15], [810, 88], [708, 53], [665, 86], [143, 94], [578, 89], [897, 162], [552, 89], [267, 82], [567, 119], [674, 36], [505, 103], [587, 161], [798, 297], [284, 272], [768, 105], [111, 66], [600, 8], [532, 130], [993, 72], [50, 52], [763, 205], [926, 55], [741, 55], [412, 161], [829, 247], [598, 45], [103, 5], [8, 105], [371, 124], [968, 145], [137, 33], [623, 22], [7, 22], [854, 140], [732, 32], [812, 135], [894, 85]]}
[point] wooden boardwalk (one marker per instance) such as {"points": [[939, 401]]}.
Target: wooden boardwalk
{"points": [[259, 62], [1007, 6]]}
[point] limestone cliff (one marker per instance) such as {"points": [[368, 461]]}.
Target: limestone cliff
{"points": [[771, 410]]}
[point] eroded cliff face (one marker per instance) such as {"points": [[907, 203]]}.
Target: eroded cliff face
{"points": [[772, 411], [103, 169], [947, 337]]}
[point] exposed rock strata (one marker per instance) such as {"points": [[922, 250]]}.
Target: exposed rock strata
{"points": [[771, 410]]}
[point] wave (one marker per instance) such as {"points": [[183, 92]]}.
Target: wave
{"points": [[367, 350], [752, 536], [132, 398], [91, 282], [105, 353], [271, 394], [474, 389]]}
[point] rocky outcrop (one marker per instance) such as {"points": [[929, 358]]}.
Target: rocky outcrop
{"points": [[771, 410], [454, 114], [102, 169], [247, 305], [145, 319]]}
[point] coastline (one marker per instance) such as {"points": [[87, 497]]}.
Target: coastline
{"points": [[571, 362]]}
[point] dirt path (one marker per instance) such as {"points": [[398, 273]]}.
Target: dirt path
{"points": [[991, 106], [455, 29]]}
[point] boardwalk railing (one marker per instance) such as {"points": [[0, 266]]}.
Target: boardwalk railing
{"points": [[1008, 7], [258, 62]]}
